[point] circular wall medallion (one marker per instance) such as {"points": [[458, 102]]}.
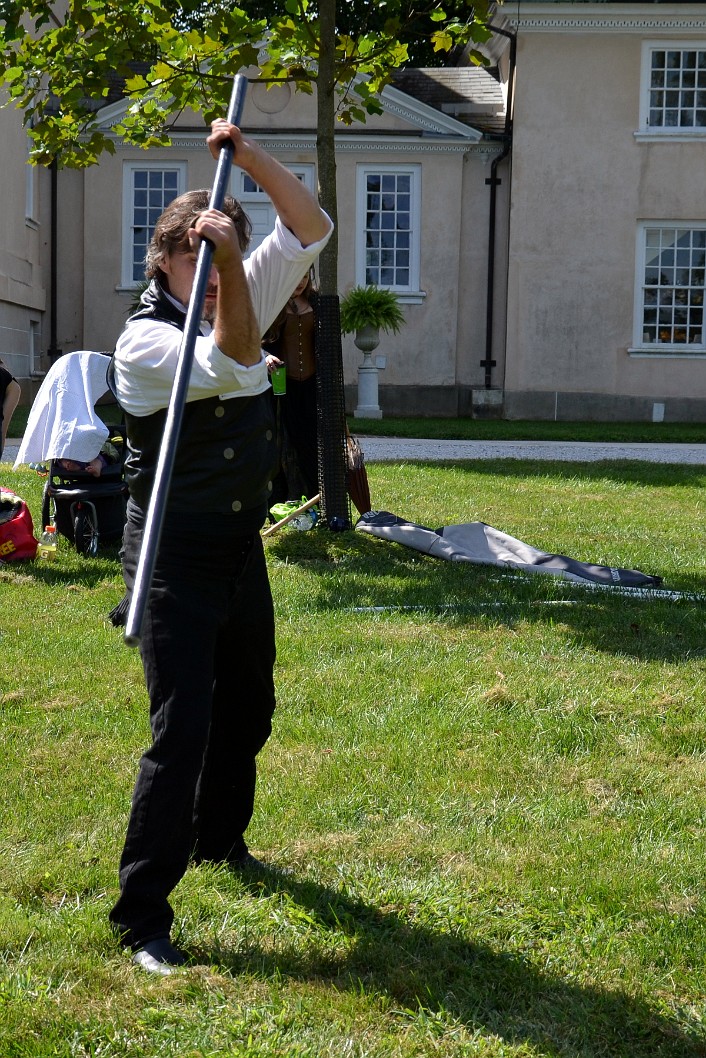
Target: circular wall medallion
{"points": [[270, 98]]}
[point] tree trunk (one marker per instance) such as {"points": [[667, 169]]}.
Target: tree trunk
{"points": [[330, 393], [325, 149]]}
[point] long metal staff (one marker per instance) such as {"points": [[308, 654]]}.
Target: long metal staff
{"points": [[175, 410]]}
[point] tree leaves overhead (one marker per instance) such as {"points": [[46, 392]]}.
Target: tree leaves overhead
{"points": [[62, 63]]}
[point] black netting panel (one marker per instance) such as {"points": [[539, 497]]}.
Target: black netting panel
{"points": [[331, 410]]}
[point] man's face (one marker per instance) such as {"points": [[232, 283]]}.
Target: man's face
{"points": [[180, 267]]}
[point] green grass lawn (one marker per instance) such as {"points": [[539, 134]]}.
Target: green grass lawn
{"points": [[515, 430], [486, 429], [490, 789]]}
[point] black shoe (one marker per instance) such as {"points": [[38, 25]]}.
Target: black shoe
{"points": [[158, 956], [247, 862]]}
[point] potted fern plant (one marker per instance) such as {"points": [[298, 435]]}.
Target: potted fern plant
{"points": [[365, 311]]}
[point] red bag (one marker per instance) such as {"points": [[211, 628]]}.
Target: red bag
{"points": [[16, 528]]}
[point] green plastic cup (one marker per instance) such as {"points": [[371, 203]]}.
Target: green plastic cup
{"points": [[278, 378]]}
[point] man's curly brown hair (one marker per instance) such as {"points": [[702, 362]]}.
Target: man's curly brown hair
{"points": [[170, 233]]}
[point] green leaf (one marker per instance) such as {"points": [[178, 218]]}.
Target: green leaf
{"points": [[442, 41], [136, 84], [12, 73]]}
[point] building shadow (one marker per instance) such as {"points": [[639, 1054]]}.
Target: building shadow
{"points": [[624, 472], [378, 576]]}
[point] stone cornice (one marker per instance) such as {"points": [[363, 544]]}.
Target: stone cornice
{"points": [[616, 18], [417, 113], [346, 143]]}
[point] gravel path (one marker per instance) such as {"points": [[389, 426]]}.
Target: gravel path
{"points": [[400, 449]]}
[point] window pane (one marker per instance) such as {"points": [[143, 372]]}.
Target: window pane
{"points": [[681, 72], [673, 286], [388, 225], [152, 190]]}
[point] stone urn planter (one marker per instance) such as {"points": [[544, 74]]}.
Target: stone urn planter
{"points": [[365, 311]]}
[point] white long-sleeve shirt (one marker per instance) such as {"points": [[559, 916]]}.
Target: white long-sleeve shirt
{"points": [[147, 350]]}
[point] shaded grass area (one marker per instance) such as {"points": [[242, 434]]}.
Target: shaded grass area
{"points": [[489, 790], [484, 429], [517, 430]]}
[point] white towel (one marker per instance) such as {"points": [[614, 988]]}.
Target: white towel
{"points": [[63, 423]]}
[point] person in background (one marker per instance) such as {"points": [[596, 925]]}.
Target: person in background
{"points": [[10, 393], [291, 340], [95, 467], [208, 636]]}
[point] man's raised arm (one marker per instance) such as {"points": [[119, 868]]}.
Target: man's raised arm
{"points": [[296, 206]]}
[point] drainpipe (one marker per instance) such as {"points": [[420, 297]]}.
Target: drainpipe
{"points": [[489, 363], [53, 351]]}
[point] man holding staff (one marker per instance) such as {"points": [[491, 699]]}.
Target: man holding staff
{"points": [[208, 642]]}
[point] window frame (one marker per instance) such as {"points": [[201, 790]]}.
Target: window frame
{"points": [[304, 171], [130, 167], [642, 345], [410, 292], [646, 130]]}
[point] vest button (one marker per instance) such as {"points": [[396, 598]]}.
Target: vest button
{"points": [[268, 435], [220, 411], [269, 486], [236, 505], [228, 453]]}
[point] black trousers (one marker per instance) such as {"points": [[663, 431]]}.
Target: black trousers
{"points": [[300, 422], [208, 652], [297, 440]]}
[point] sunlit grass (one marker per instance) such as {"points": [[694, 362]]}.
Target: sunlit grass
{"points": [[490, 790]]}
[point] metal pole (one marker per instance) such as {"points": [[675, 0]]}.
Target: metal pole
{"points": [[175, 410]]}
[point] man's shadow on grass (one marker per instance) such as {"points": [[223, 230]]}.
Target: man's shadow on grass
{"points": [[422, 971]]}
